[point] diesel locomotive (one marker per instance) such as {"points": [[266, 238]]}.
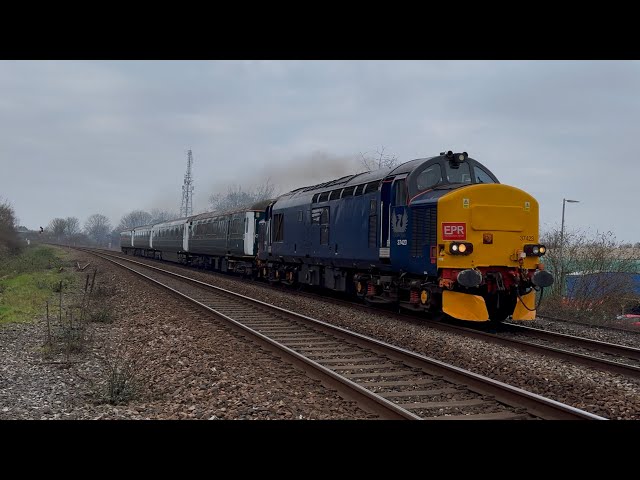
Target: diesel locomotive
{"points": [[437, 234]]}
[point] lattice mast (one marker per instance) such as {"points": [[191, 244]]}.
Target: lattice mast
{"points": [[186, 207]]}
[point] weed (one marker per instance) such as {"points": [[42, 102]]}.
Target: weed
{"points": [[102, 314], [124, 379]]}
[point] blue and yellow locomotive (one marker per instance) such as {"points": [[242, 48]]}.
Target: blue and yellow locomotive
{"points": [[435, 234], [439, 234]]}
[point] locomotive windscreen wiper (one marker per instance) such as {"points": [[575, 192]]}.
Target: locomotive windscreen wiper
{"points": [[451, 186]]}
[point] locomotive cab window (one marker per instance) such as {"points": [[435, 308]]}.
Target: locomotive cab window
{"points": [[429, 177], [458, 173], [400, 195], [481, 175]]}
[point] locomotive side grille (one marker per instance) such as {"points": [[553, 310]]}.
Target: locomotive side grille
{"points": [[423, 230], [373, 231]]}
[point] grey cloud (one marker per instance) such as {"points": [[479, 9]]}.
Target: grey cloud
{"points": [[78, 138]]}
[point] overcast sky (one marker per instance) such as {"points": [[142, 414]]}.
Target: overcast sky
{"points": [[85, 137]]}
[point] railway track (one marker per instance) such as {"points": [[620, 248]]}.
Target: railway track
{"points": [[387, 380], [608, 357], [604, 356], [628, 329]]}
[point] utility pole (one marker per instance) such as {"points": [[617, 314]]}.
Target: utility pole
{"points": [[186, 206], [564, 200]]}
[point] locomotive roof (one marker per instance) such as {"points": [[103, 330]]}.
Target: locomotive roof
{"points": [[303, 195], [359, 178]]}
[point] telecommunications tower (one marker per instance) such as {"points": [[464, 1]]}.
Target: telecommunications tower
{"points": [[186, 207]]}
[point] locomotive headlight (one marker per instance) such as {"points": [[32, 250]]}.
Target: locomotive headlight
{"points": [[461, 248], [534, 250]]}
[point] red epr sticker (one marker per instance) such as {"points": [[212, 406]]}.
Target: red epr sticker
{"points": [[454, 231]]}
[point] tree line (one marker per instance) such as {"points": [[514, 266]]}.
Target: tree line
{"points": [[97, 229], [9, 240]]}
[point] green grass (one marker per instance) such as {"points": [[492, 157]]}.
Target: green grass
{"points": [[28, 280]]}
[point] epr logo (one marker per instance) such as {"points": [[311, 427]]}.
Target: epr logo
{"points": [[454, 231]]}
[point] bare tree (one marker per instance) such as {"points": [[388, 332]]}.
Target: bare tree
{"points": [[601, 283], [72, 227], [158, 215], [58, 228], [264, 191], [134, 219], [378, 160], [236, 198], [98, 228]]}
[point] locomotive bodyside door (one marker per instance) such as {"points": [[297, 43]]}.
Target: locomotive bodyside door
{"points": [[385, 217], [399, 224]]}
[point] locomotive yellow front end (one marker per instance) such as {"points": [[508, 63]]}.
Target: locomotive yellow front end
{"points": [[489, 253]]}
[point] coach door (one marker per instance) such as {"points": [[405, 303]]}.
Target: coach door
{"points": [[185, 236], [267, 233]]}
